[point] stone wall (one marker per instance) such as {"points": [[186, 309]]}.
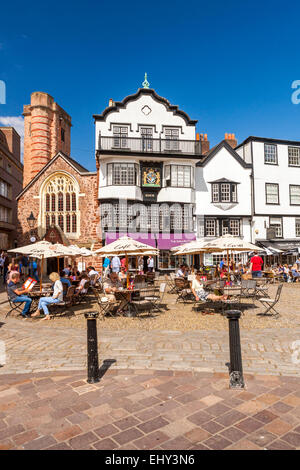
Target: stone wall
{"points": [[90, 236]]}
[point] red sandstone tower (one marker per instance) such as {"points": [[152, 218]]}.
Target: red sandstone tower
{"points": [[47, 131]]}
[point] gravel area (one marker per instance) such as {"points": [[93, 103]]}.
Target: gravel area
{"points": [[182, 317]]}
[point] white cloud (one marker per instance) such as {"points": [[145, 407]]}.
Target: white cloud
{"points": [[18, 123]]}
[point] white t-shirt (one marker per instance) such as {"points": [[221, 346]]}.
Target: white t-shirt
{"points": [[92, 272], [197, 286], [58, 291]]}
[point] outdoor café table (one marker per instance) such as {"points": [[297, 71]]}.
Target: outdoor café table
{"points": [[36, 294], [126, 295]]}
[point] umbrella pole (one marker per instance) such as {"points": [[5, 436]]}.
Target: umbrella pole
{"points": [[126, 264], [58, 264], [228, 274], [41, 278]]}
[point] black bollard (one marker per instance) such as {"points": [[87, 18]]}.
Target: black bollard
{"points": [[236, 367], [92, 347]]}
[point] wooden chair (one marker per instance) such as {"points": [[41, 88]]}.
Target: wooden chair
{"points": [[69, 298], [269, 304]]}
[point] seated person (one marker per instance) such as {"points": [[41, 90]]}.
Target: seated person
{"points": [[67, 270], [81, 289], [12, 269], [16, 293], [122, 274], [111, 285], [200, 293], [181, 271], [64, 279], [56, 298], [92, 272], [295, 273]]}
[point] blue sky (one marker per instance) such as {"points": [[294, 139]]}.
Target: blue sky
{"points": [[228, 64]]}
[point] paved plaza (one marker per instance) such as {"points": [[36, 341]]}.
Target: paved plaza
{"points": [[148, 409], [159, 388]]}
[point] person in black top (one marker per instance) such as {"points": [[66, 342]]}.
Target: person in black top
{"points": [[16, 293]]}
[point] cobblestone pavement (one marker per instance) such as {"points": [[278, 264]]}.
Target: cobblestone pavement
{"points": [[34, 347], [148, 409]]}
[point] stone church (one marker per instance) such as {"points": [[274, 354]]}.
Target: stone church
{"points": [[60, 193]]}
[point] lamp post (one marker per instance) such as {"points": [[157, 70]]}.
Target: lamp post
{"points": [[31, 223]]}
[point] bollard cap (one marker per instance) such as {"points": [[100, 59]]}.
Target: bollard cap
{"points": [[91, 315], [233, 314]]}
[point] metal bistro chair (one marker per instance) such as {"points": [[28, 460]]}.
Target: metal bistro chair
{"points": [[105, 306], [269, 304], [183, 290], [248, 289], [155, 296], [14, 306]]}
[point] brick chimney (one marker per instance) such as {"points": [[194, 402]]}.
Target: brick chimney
{"points": [[231, 140], [204, 143]]}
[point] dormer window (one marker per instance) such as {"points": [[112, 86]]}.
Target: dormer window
{"points": [[120, 136], [224, 191]]}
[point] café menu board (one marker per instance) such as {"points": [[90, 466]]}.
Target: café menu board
{"points": [[151, 177]]}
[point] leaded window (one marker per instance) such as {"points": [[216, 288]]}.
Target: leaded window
{"points": [[123, 174], [120, 138], [224, 192], [60, 204], [172, 138]]}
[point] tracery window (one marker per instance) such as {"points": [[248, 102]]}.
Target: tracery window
{"points": [[60, 204]]}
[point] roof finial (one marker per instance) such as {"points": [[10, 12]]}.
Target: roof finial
{"points": [[145, 82]]}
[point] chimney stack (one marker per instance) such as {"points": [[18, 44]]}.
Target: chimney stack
{"points": [[231, 140], [204, 143]]}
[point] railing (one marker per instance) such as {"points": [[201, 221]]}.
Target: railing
{"points": [[146, 145]]}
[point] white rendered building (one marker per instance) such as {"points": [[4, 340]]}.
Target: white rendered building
{"points": [[223, 195], [275, 192], [146, 153]]}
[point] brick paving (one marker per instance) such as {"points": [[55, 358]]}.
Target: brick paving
{"points": [[148, 409], [32, 346]]}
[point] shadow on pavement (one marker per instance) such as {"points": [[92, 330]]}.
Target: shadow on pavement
{"points": [[107, 363]]}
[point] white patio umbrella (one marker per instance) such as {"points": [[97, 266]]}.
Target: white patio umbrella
{"points": [[125, 245], [43, 250], [229, 242]]}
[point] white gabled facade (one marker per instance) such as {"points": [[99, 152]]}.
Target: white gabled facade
{"points": [[275, 190], [146, 152], [223, 194]]}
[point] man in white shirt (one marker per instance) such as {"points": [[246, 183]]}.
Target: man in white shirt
{"points": [[181, 271], [150, 263], [115, 264]]}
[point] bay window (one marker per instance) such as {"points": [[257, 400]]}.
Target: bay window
{"points": [[224, 192], [123, 174], [180, 176]]}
